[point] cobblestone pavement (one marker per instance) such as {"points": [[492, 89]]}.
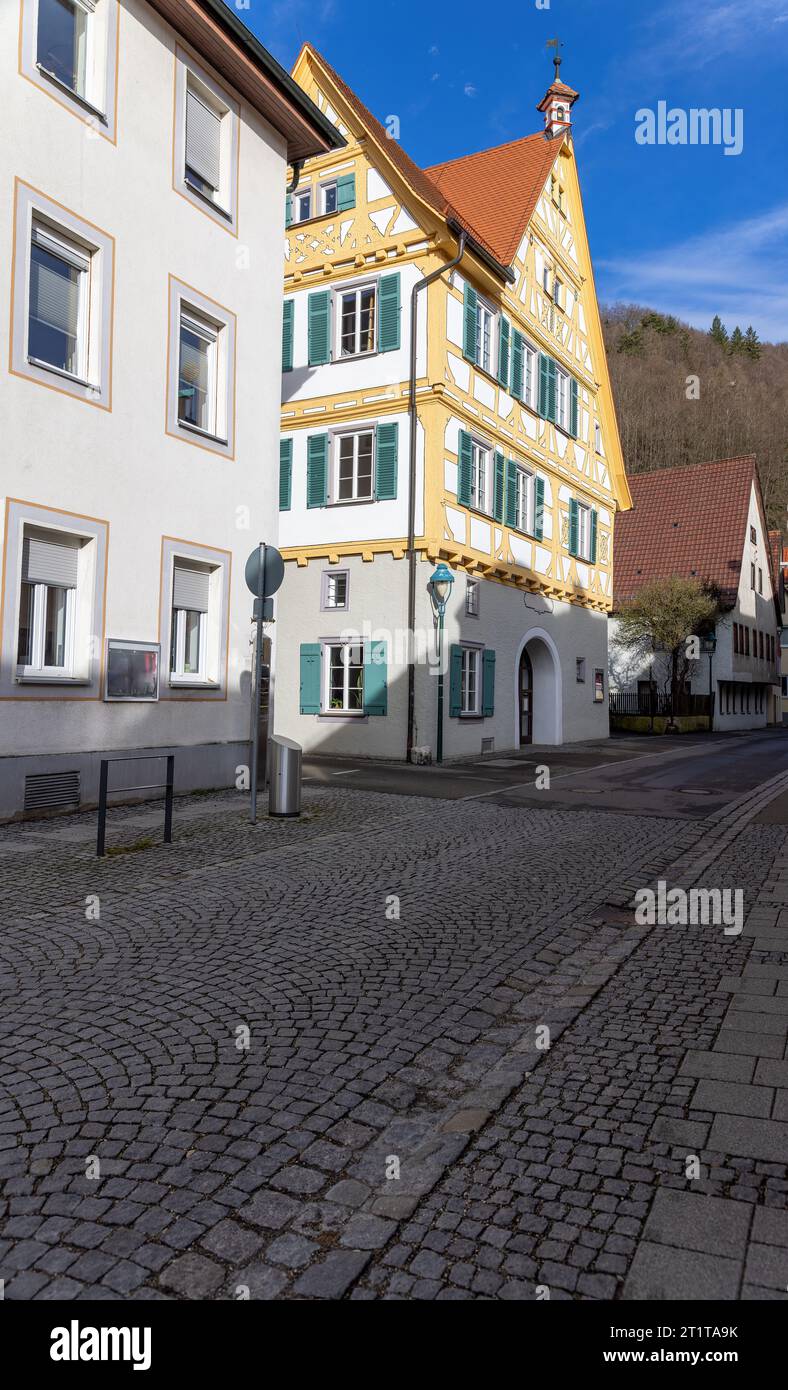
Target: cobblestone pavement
{"points": [[391, 958]]}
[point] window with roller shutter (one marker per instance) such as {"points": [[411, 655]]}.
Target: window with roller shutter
{"points": [[47, 605]]}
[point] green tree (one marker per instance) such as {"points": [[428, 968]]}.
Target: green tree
{"points": [[718, 331], [660, 618], [737, 340], [752, 344]]}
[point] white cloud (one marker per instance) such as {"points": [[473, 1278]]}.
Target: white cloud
{"points": [[739, 271], [685, 36], [469, 89]]}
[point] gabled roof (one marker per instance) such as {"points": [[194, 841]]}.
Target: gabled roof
{"points": [[690, 522], [496, 223], [497, 190]]}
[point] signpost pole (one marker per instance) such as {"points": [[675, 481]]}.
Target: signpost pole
{"points": [[258, 665]]}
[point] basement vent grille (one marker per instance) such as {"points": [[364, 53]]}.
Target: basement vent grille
{"points": [[45, 791], [488, 745]]}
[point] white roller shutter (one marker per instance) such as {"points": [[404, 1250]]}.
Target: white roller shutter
{"points": [[202, 139], [190, 588], [49, 557]]}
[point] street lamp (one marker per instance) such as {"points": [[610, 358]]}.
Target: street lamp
{"points": [[708, 644], [440, 588]]}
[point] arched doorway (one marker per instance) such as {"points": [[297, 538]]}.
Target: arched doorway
{"points": [[526, 688], [538, 700]]}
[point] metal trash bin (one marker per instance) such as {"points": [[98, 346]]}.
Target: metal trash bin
{"points": [[284, 792]]}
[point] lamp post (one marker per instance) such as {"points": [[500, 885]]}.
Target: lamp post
{"points": [[440, 588], [708, 644]]}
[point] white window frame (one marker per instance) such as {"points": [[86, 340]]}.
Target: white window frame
{"points": [[64, 248], [327, 578], [36, 667], [355, 435], [210, 333], [298, 197], [472, 597], [481, 467], [597, 437], [471, 656], [186, 303], [178, 674], [562, 399], [559, 290], [340, 293], [547, 279], [95, 103], [485, 313], [584, 532], [220, 204], [87, 8], [524, 494], [344, 644], [325, 189]]}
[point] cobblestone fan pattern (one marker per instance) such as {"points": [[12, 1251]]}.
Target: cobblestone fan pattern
{"points": [[578, 1186], [223, 1168]]}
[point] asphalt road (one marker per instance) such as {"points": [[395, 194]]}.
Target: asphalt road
{"points": [[681, 776]]}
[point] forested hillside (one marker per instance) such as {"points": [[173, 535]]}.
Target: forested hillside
{"points": [[736, 401]]}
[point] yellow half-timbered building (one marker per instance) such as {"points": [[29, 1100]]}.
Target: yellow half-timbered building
{"points": [[448, 442]]}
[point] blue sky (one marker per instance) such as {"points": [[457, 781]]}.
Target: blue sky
{"points": [[685, 229]]}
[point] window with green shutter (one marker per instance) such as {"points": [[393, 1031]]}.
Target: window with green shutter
{"points": [[346, 192], [488, 692], [470, 309], [510, 514], [319, 327], [498, 492], [288, 314], [574, 526], [386, 446], [310, 678], [375, 678], [288, 209], [538, 508], [317, 470], [573, 407], [504, 334], [592, 545], [517, 384], [547, 387], [464, 468], [389, 313], [285, 474]]}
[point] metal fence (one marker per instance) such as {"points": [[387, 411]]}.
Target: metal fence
{"points": [[655, 703]]}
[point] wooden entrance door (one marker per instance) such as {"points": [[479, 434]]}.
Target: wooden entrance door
{"points": [[526, 689]]}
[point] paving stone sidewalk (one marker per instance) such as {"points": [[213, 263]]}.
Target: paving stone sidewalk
{"points": [[374, 1034]]}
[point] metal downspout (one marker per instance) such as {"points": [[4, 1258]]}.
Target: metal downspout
{"points": [[413, 418]]}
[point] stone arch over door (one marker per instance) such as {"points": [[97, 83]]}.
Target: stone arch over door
{"points": [[547, 693]]}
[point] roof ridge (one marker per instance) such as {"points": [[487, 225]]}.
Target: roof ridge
{"points": [[490, 149], [688, 467]]}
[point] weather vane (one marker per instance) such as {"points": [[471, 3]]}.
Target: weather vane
{"points": [[557, 45]]}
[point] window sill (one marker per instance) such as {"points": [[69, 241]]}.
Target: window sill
{"points": [[209, 202], [31, 678], [67, 376], [185, 683], [75, 96], [471, 718], [203, 434], [345, 715], [355, 356], [351, 501]]}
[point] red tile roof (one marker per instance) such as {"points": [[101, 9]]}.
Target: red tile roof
{"points": [[497, 190], [690, 522], [462, 190]]}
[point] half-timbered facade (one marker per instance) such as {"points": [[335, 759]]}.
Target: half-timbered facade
{"points": [[445, 399]]}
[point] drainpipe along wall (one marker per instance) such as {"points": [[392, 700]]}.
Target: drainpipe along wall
{"points": [[413, 417]]}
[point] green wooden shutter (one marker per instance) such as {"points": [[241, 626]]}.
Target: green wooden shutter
{"points": [[346, 192], [592, 556], [288, 209], [573, 407], [319, 327], [288, 311], [388, 313], [375, 678], [504, 334], [552, 392], [285, 474], [317, 470], [510, 516], [538, 508], [470, 308], [465, 464], [517, 364], [544, 385], [574, 526], [499, 486], [310, 678], [488, 686], [386, 461], [455, 681]]}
